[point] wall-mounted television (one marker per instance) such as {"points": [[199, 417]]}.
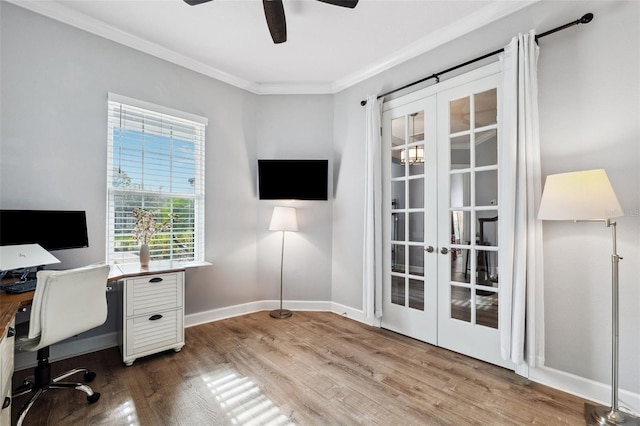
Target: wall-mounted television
{"points": [[293, 179], [52, 229]]}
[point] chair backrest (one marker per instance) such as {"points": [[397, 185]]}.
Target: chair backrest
{"points": [[68, 302]]}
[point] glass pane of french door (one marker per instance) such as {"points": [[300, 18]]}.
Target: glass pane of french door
{"points": [[473, 207], [407, 201]]}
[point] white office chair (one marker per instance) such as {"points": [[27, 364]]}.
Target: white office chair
{"points": [[65, 303]]}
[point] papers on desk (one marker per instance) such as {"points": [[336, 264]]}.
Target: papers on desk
{"points": [[24, 256]]}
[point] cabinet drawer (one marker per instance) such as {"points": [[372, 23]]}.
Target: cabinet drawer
{"points": [[153, 293], [5, 414], [146, 334], [6, 362]]}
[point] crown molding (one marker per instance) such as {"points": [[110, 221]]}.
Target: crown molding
{"points": [[293, 88], [479, 19], [81, 21]]}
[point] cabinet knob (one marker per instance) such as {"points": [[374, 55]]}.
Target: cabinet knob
{"points": [[429, 249], [6, 403], [444, 250], [11, 332], [155, 317], [155, 280]]}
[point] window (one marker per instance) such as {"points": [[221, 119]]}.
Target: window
{"points": [[156, 163]]}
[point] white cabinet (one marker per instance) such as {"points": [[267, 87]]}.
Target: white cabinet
{"points": [[6, 373], [152, 315]]}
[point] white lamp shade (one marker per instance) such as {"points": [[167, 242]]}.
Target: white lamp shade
{"points": [[283, 219], [585, 195]]}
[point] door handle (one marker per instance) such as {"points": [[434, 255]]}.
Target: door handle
{"points": [[444, 250], [429, 249]]}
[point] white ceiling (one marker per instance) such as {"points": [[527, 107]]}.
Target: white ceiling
{"points": [[328, 49]]}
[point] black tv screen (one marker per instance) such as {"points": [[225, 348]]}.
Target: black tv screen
{"points": [[293, 179], [52, 229]]}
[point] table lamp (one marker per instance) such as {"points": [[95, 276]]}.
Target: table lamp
{"points": [[283, 219], [587, 196]]}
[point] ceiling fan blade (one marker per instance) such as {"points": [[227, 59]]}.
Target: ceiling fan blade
{"points": [[274, 12], [195, 2], [344, 3]]}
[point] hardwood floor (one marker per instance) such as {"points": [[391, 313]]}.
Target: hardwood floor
{"points": [[311, 369]]}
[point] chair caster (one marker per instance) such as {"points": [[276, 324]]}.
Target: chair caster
{"points": [[93, 398], [89, 376]]}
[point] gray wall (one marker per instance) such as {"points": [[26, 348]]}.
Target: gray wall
{"points": [[295, 127], [589, 118]]}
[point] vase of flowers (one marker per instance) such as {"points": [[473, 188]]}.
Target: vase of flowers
{"points": [[146, 227], [144, 255]]}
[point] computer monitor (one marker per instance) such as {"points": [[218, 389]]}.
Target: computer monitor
{"points": [[51, 229]]}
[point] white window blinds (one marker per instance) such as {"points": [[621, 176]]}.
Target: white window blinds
{"points": [[155, 163]]}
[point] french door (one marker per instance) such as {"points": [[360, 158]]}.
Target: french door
{"points": [[410, 224], [441, 254]]}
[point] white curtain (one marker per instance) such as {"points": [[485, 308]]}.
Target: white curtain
{"points": [[521, 296], [372, 265]]}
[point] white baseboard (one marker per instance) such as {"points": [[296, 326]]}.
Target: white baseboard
{"points": [[597, 392], [267, 305], [348, 312], [222, 313], [248, 308]]}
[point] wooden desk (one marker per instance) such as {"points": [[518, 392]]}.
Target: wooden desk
{"points": [[10, 303], [132, 276]]}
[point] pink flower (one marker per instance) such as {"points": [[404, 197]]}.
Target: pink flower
{"points": [[146, 226]]}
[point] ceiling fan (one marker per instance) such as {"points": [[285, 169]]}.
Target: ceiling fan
{"points": [[274, 12]]}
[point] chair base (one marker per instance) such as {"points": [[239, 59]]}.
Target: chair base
{"points": [[43, 382]]}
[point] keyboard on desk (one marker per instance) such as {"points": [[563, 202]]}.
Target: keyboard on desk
{"points": [[19, 286]]}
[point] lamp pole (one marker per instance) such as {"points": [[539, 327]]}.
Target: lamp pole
{"points": [[281, 313], [606, 415], [281, 267], [283, 219]]}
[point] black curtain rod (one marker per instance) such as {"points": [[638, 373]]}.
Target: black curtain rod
{"points": [[584, 20]]}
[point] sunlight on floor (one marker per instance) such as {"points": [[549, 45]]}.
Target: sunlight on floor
{"points": [[129, 414], [243, 401]]}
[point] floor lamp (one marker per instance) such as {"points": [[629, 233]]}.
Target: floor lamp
{"points": [[283, 219], [587, 196]]}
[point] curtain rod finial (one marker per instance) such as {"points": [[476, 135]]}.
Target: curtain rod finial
{"points": [[586, 18]]}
